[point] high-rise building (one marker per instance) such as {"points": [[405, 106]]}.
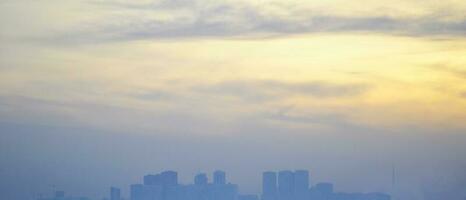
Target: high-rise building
{"points": [[301, 184], [169, 178], [152, 179], [115, 193], [269, 185], [219, 177], [285, 185], [201, 179], [136, 192], [152, 192]]}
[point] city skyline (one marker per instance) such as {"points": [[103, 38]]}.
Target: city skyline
{"points": [[369, 94], [281, 185]]}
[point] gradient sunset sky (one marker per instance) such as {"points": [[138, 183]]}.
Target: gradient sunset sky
{"points": [[379, 83]]}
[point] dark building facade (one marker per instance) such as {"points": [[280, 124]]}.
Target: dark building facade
{"points": [[220, 177], [115, 193], [269, 185], [285, 185]]}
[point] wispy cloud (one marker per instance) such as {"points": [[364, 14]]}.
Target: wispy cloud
{"points": [[449, 69], [197, 19], [291, 115], [155, 95], [265, 90], [463, 94]]}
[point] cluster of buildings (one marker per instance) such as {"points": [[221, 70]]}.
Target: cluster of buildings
{"points": [[164, 186], [294, 185], [282, 185]]}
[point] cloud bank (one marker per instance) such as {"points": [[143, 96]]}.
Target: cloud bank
{"points": [[107, 21]]}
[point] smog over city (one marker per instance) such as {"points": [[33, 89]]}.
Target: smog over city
{"points": [[232, 100]]}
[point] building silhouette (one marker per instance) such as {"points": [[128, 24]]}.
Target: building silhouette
{"points": [[301, 184], [169, 178], [284, 185], [115, 193], [269, 185], [219, 177], [201, 179]]}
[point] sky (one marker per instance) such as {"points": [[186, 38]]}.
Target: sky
{"points": [[96, 93]]}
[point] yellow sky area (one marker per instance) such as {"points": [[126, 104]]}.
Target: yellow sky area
{"points": [[406, 80]]}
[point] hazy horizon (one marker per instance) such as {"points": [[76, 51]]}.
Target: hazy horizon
{"points": [[97, 93]]}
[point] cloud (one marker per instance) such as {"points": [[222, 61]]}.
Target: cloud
{"points": [[294, 116], [265, 90], [197, 19], [463, 94], [449, 69], [155, 95]]}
